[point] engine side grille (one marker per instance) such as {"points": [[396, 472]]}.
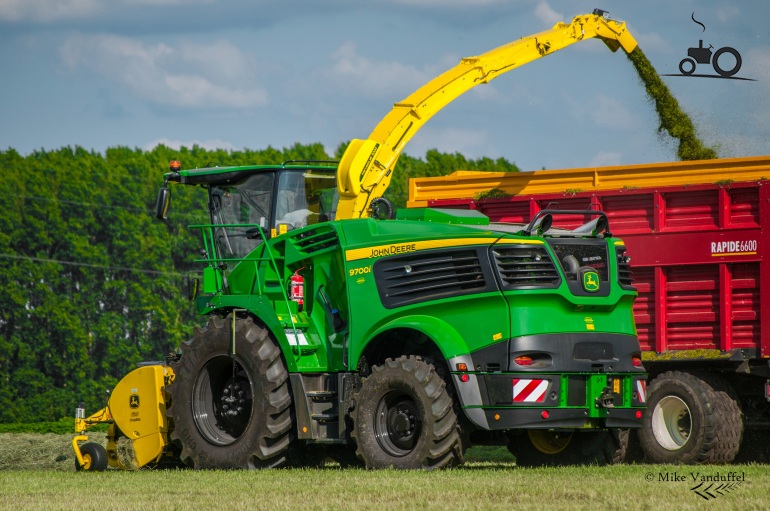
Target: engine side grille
{"points": [[405, 280], [316, 240], [525, 266], [625, 276]]}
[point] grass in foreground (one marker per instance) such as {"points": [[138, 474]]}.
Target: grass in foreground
{"points": [[490, 480]]}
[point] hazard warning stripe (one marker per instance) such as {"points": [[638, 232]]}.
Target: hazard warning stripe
{"points": [[529, 390], [641, 390]]}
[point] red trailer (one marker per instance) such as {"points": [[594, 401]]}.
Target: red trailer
{"points": [[695, 233]]}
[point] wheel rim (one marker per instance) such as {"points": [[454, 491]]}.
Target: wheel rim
{"points": [[549, 442], [222, 400], [671, 423], [397, 424], [86, 462]]}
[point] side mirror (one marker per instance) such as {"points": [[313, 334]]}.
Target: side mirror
{"points": [[163, 202]]}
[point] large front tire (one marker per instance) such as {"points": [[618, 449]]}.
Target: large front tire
{"points": [[404, 418], [231, 411]]}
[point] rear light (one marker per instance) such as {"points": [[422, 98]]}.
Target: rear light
{"points": [[636, 361], [533, 360], [464, 378], [544, 414], [523, 360], [638, 414], [462, 366]]}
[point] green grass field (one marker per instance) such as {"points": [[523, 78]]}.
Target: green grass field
{"points": [[32, 478]]}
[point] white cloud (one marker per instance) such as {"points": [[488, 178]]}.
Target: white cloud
{"points": [[610, 113], [469, 143], [176, 144], [757, 62], [373, 78], [547, 15], [605, 159], [652, 42], [606, 112], [167, 2], [45, 11], [188, 75], [725, 13], [448, 3]]}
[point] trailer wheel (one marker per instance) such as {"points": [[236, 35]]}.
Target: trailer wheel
{"points": [[94, 458], [539, 447], [404, 418], [729, 421], [680, 423], [231, 411]]}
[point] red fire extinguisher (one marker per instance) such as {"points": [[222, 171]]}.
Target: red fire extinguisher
{"points": [[297, 289]]}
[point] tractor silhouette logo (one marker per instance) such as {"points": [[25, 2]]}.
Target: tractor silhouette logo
{"points": [[133, 401], [701, 55], [725, 61], [591, 281]]}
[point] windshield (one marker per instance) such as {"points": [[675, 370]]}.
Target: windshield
{"points": [[241, 207], [303, 197]]}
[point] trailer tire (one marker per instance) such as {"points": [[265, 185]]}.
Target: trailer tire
{"points": [[544, 448], [680, 424], [231, 411], [404, 418], [94, 458], [729, 420]]}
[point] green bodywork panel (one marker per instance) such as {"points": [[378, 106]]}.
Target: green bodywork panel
{"points": [[337, 262]]}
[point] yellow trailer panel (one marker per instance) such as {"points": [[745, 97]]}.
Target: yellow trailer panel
{"points": [[467, 184]]}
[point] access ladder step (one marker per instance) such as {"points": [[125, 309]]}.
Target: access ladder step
{"points": [[325, 417], [321, 395]]}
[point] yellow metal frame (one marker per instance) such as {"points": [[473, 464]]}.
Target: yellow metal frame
{"points": [[366, 168]]}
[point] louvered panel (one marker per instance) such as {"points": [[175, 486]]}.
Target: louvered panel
{"points": [[427, 276], [691, 209], [745, 305], [312, 242], [525, 266], [629, 213], [510, 212], [744, 206], [625, 275], [644, 307]]}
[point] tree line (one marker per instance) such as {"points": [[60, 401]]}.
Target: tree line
{"points": [[92, 283]]}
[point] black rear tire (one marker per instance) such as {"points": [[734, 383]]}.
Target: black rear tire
{"points": [[539, 448], [729, 420], [94, 458], [404, 418], [231, 411]]}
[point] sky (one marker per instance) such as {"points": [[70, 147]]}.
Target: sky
{"points": [[238, 74]]}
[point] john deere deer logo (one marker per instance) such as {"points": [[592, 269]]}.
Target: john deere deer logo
{"points": [[133, 401], [591, 281]]}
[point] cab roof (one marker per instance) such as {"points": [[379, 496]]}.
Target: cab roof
{"points": [[233, 174]]}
